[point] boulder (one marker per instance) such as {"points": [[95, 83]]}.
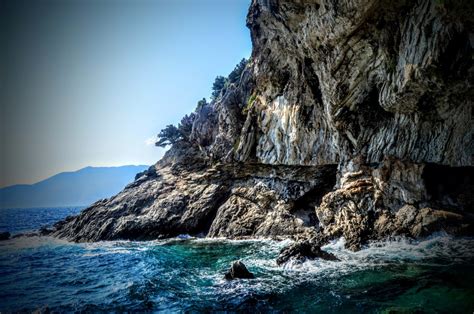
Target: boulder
{"points": [[238, 270], [4, 236], [301, 251]]}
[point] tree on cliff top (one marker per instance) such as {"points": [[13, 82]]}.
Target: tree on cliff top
{"points": [[201, 104], [171, 134], [186, 125], [221, 82], [234, 76], [218, 85], [168, 136]]}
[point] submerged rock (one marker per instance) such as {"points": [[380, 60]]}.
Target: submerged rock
{"points": [[303, 250], [4, 236], [238, 271]]}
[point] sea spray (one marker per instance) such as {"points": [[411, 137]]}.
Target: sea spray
{"points": [[186, 273], [158, 274]]}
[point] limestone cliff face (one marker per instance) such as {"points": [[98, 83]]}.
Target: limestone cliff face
{"points": [[337, 80], [352, 118]]}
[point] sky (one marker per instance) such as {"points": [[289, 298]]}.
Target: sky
{"points": [[91, 82]]}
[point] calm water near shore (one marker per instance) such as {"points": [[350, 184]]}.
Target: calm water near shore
{"points": [[433, 275]]}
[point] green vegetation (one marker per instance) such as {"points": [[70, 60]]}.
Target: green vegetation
{"points": [[234, 76], [218, 85], [250, 103], [172, 134], [201, 104], [221, 83], [168, 136], [186, 125]]}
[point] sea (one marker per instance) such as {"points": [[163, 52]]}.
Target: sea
{"points": [[186, 274]]}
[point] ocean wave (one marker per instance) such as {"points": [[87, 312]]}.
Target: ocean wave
{"points": [[166, 272], [437, 249]]}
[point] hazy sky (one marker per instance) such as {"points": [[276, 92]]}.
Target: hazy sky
{"points": [[88, 82]]}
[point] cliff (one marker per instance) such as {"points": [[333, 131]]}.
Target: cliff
{"points": [[352, 118]]}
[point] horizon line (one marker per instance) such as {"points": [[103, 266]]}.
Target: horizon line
{"points": [[72, 171]]}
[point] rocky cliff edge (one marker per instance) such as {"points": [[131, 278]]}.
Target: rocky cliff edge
{"points": [[351, 118]]}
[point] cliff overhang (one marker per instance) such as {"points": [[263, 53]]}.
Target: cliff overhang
{"points": [[350, 119]]}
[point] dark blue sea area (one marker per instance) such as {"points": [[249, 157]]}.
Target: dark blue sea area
{"points": [[433, 275]]}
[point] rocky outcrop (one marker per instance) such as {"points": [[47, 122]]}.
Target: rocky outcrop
{"points": [[375, 202], [351, 119], [238, 270], [4, 236], [184, 195], [363, 79], [304, 250]]}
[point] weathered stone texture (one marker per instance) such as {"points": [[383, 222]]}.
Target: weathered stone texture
{"points": [[380, 90]]}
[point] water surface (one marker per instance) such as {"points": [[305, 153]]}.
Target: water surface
{"points": [[185, 274]]}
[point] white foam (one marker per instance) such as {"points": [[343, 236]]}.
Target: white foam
{"points": [[439, 247]]}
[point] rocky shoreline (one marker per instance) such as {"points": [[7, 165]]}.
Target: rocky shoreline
{"points": [[351, 119]]}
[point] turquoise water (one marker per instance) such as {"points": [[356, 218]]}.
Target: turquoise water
{"points": [[185, 274]]}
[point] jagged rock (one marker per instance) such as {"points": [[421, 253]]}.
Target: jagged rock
{"points": [[348, 212], [256, 209], [238, 271], [351, 119], [301, 251], [223, 200], [341, 80], [375, 202], [415, 222], [4, 236]]}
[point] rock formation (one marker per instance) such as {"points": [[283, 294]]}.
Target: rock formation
{"points": [[238, 270], [303, 250], [352, 118], [4, 236]]}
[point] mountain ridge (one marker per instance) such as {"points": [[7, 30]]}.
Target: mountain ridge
{"points": [[78, 188]]}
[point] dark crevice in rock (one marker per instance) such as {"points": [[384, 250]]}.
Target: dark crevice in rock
{"points": [[205, 224], [313, 197], [450, 187], [456, 58], [370, 113], [426, 108], [312, 80], [281, 79]]}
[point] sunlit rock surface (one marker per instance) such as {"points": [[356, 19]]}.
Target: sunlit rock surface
{"points": [[352, 118]]}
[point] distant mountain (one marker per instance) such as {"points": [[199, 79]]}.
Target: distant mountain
{"points": [[78, 188]]}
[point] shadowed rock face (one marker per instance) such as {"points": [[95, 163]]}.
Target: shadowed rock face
{"points": [[303, 250], [4, 236], [342, 124], [238, 270], [183, 196], [337, 80]]}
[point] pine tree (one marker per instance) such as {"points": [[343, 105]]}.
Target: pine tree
{"points": [[234, 76], [168, 136], [218, 85]]}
